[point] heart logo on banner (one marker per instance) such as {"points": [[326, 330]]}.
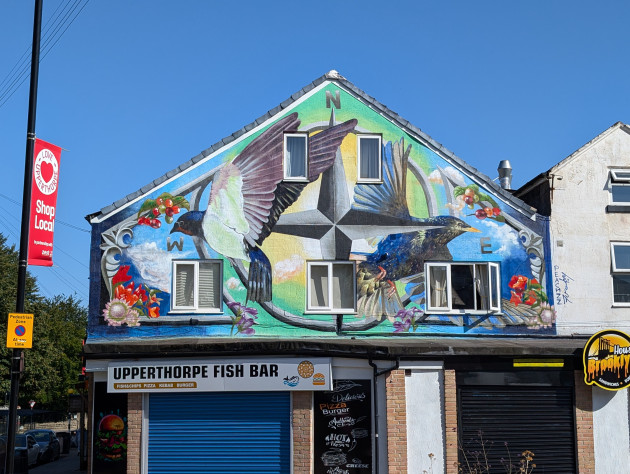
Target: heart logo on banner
{"points": [[47, 171]]}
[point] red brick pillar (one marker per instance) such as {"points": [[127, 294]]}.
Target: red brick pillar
{"points": [[134, 432], [450, 421], [396, 422], [302, 429], [584, 425]]}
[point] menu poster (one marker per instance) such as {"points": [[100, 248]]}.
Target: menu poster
{"points": [[343, 428]]}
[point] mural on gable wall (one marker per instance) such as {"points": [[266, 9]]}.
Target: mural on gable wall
{"points": [[236, 208]]}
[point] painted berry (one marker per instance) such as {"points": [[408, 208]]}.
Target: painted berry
{"points": [[168, 219], [175, 209], [481, 214], [169, 212], [469, 192], [159, 201], [496, 211], [469, 199], [162, 208], [168, 202], [156, 211], [488, 211]]}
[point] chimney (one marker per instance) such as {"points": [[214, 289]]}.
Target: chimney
{"points": [[505, 174]]}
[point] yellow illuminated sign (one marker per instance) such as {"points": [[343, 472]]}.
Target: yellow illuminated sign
{"points": [[20, 331]]}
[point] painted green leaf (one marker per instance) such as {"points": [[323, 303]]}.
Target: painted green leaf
{"points": [[147, 206], [181, 201]]}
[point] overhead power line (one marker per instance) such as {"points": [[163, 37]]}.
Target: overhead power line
{"points": [[67, 224], [21, 70]]}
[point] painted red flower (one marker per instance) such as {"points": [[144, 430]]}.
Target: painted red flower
{"points": [[531, 298], [154, 312], [518, 283], [121, 275], [516, 298]]}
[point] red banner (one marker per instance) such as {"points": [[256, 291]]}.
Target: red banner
{"points": [[43, 203]]}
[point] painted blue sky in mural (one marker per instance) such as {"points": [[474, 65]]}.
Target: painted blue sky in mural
{"points": [[132, 90]]}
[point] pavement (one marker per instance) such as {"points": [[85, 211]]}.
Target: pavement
{"points": [[66, 464]]}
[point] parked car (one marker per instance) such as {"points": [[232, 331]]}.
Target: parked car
{"points": [[27, 442], [23, 442], [50, 448]]}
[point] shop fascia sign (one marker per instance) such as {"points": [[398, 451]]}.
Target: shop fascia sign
{"points": [[607, 360], [220, 375]]}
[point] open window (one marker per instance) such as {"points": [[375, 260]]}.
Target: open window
{"points": [[620, 258], [462, 287], [197, 286], [620, 186], [295, 156], [331, 287], [369, 158]]}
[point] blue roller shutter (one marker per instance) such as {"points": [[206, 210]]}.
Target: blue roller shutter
{"points": [[226, 432]]}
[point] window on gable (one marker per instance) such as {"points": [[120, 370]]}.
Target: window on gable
{"points": [[295, 156], [620, 186], [331, 287], [620, 255], [369, 158], [197, 285], [462, 287]]}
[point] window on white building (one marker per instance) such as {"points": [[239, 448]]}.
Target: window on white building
{"points": [[620, 186], [197, 285], [369, 158], [295, 156], [331, 287], [463, 287], [620, 256]]}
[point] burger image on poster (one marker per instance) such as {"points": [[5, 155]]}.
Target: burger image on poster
{"points": [[111, 439]]}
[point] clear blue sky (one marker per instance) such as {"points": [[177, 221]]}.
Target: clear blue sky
{"points": [[134, 88]]}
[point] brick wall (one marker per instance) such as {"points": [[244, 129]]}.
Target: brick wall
{"points": [[584, 425], [396, 422], [302, 429], [134, 432], [450, 421]]}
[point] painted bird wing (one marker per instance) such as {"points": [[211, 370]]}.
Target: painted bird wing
{"points": [[322, 150], [391, 196], [248, 194]]}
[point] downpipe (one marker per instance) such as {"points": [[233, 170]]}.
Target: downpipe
{"points": [[376, 375]]}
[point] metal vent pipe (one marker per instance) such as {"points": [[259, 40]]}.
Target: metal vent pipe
{"points": [[505, 174]]}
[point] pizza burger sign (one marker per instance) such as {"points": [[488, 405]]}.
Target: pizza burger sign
{"points": [[43, 203]]}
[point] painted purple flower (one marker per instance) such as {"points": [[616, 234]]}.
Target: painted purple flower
{"points": [[402, 326], [243, 318], [409, 319]]}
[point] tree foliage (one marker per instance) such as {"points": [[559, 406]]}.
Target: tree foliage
{"points": [[52, 365]]}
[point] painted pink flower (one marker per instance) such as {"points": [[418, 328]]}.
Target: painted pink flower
{"points": [[115, 312]]}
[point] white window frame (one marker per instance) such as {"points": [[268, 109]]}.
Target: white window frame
{"points": [[494, 292], [617, 180], [330, 309], [195, 307], [285, 155], [380, 159], [616, 271]]}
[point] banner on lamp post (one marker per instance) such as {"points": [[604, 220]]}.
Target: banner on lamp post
{"points": [[45, 179]]}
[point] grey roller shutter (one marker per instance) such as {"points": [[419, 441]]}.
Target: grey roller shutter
{"points": [[226, 432], [538, 419]]}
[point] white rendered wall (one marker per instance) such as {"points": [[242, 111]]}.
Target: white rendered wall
{"points": [[425, 419], [581, 231], [611, 431]]}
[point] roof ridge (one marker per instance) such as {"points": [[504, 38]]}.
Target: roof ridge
{"points": [[335, 76]]}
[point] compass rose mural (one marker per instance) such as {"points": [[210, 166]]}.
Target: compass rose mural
{"points": [[234, 217]]}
